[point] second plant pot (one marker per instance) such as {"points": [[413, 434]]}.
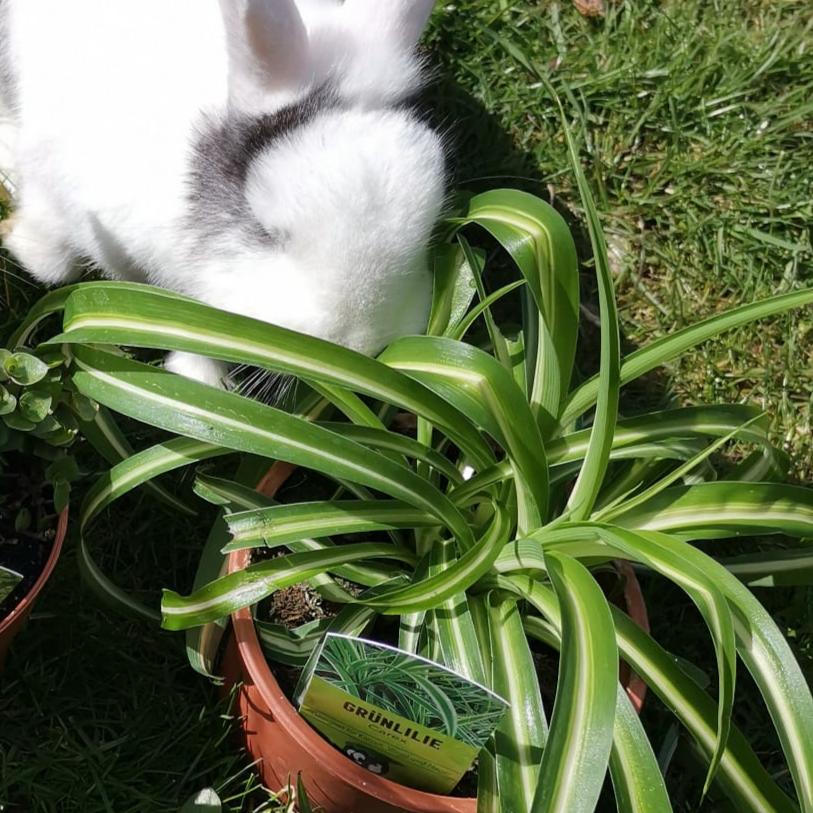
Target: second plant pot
{"points": [[11, 625]]}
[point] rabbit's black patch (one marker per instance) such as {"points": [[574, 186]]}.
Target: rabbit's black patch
{"points": [[223, 154]]}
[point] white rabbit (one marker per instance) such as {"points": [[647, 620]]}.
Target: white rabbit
{"points": [[255, 154]]}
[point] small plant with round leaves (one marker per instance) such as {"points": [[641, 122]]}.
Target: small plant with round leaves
{"points": [[40, 413], [40, 416]]}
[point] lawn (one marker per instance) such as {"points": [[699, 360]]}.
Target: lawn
{"points": [[697, 126]]}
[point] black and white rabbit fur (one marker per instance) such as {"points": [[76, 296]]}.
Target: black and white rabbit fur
{"points": [[255, 154]]}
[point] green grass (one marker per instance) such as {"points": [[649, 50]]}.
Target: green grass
{"points": [[696, 117], [698, 127]]}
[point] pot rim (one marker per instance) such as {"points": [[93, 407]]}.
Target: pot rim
{"points": [[25, 603]]}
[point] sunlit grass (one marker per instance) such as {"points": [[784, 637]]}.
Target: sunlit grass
{"points": [[697, 129]]}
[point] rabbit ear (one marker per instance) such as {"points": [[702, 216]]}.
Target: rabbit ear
{"points": [[268, 51], [403, 20]]}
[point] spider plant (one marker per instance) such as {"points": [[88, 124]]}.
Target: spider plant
{"points": [[39, 419], [516, 488]]}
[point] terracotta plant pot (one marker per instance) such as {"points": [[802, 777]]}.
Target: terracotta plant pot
{"points": [[15, 620], [285, 745]]}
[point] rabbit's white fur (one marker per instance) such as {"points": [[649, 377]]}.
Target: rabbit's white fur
{"points": [[326, 232]]}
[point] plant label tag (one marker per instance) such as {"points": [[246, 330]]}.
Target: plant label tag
{"points": [[396, 714]]}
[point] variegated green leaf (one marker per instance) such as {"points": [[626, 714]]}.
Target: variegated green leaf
{"points": [[631, 502], [227, 419], [9, 579], [140, 318], [637, 780], [485, 392], [673, 345], [54, 302], [107, 438], [457, 637], [237, 496], [203, 643], [671, 559], [293, 647], [124, 477], [741, 775], [721, 509], [774, 568], [521, 738], [772, 664], [454, 289], [281, 524], [538, 240], [246, 587], [393, 442], [457, 578], [588, 484], [578, 749]]}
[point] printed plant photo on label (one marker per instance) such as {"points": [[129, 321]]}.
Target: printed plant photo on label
{"points": [[411, 687]]}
